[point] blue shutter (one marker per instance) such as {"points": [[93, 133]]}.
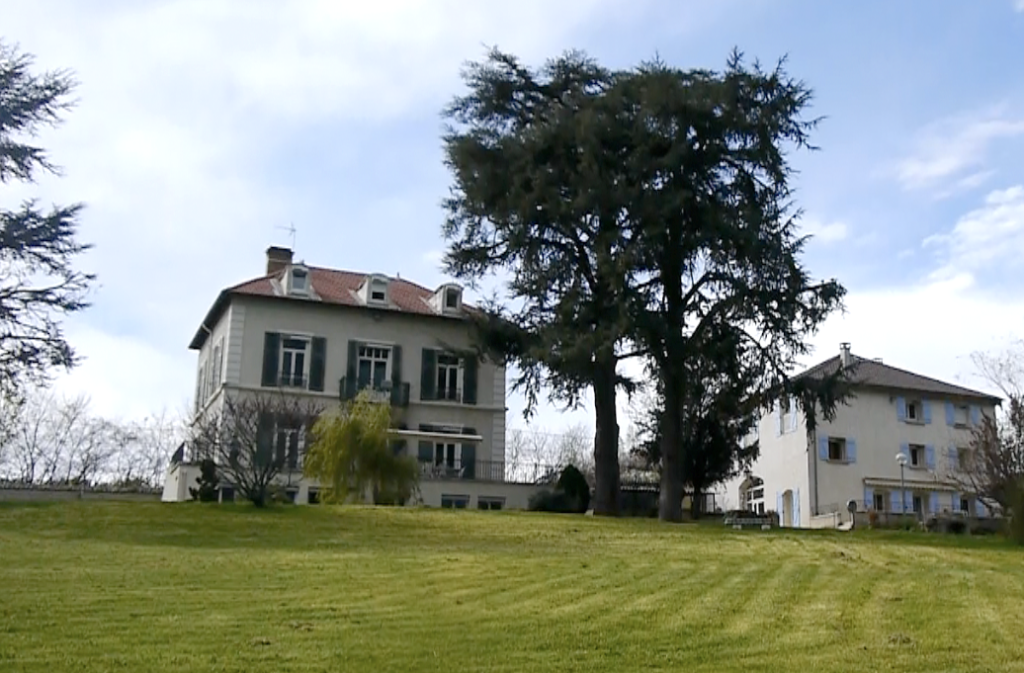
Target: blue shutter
{"points": [[796, 508], [908, 501], [926, 407], [933, 503], [950, 414], [905, 450], [778, 419], [851, 450], [952, 458], [895, 497], [869, 498], [929, 456], [980, 508], [823, 447], [901, 409], [975, 415]]}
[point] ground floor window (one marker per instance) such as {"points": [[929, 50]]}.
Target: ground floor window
{"points": [[879, 501], [313, 497], [490, 503], [227, 494], [964, 505], [455, 501], [918, 504]]}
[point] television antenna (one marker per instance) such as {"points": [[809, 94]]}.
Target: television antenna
{"points": [[291, 230]]}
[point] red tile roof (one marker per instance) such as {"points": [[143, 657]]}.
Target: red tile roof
{"points": [[340, 287], [333, 287]]}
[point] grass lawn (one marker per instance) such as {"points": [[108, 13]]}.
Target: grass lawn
{"points": [[146, 587]]}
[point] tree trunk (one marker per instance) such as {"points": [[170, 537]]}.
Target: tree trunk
{"points": [[670, 504], [606, 441]]}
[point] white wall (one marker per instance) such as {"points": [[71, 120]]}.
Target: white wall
{"points": [[871, 421], [782, 464]]}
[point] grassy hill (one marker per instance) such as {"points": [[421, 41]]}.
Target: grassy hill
{"points": [[148, 587]]}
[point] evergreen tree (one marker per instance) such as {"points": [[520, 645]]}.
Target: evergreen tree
{"points": [[38, 282]]}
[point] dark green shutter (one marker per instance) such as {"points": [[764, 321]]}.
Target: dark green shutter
{"points": [[428, 374], [469, 376], [318, 364], [469, 461], [426, 452], [264, 439], [351, 367], [396, 375], [271, 357]]}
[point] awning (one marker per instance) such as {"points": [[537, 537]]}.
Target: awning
{"points": [[429, 434], [885, 482]]}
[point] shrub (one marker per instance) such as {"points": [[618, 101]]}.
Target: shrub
{"points": [[956, 526], [1016, 523], [549, 501], [207, 482], [574, 485], [873, 519]]}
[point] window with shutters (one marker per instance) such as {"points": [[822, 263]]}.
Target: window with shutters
{"points": [[917, 457], [294, 366], [961, 415], [914, 414], [964, 505], [964, 458], [880, 498], [374, 367], [918, 504], [449, 377], [837, 449]]}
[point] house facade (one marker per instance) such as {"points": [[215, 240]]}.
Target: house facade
{"points": [[809, 475], [324, 335]]}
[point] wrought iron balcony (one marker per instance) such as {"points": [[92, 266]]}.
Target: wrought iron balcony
{"points": [[396, 395]]}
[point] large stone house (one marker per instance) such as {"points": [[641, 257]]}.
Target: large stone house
{"points": [[324, 335], [808, 476]]}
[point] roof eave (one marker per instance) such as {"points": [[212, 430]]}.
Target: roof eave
{"points": [[212, 316]]}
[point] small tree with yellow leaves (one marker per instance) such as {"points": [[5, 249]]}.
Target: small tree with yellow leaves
{"points": [[353, 456]]}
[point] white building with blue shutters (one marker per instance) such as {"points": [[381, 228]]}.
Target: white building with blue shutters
{"points": [[804, 474], [324, 335]]}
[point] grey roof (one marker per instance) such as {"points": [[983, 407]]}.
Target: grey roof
{"points": [[878, 375]]}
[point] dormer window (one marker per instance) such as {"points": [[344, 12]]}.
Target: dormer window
{"points": [[452, 298], [378, 291], [374, 290], [447, 298], [299, 281]]}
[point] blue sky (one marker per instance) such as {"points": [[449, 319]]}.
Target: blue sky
{"points": [[204, 126]]}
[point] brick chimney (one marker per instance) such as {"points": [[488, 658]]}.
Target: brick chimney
{"points": [[277, 259], [844, 354]]}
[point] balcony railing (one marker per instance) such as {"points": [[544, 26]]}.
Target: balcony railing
{"points": [[448, 395], [396, 395], [292, 381], [488, 470]]}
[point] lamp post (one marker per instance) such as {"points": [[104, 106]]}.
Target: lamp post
{"points": [[901, 458]]}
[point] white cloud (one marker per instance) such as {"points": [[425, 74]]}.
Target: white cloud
{"points": [[946, 149], [125, 377], [823, 232], [984, 238], [175, 145], [1019, 5]]}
